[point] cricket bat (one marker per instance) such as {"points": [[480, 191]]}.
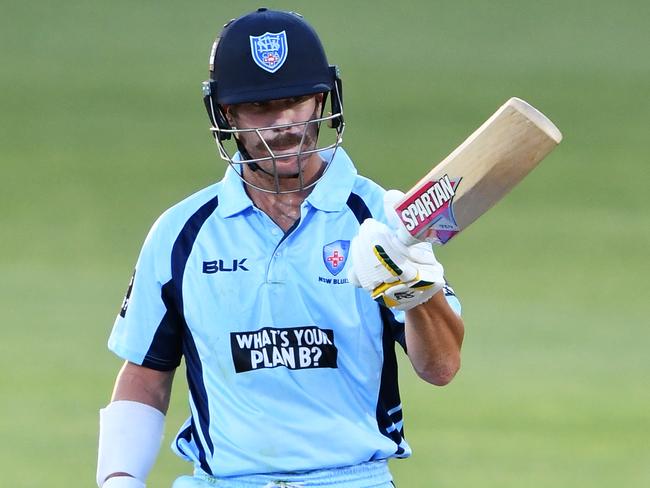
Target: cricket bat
{"points": [[478, 173]]}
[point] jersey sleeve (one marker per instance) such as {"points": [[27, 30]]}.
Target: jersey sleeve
{"points": [[148, 330], [452, 299]]}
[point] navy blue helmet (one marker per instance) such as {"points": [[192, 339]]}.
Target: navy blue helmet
{"points": [[268, 55]]}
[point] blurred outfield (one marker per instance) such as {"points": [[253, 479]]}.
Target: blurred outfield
{"points": [[102, 128]]}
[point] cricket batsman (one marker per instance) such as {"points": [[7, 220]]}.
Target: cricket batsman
{"points": [[285, 289]]}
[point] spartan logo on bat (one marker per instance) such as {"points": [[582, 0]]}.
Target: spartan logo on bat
{"points": [[270, 50], [429, 213]]}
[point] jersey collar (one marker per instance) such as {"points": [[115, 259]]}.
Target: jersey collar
{"points": [[330, 193], [233, 198]]}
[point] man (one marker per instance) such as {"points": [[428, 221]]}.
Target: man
{"points": [[290, 364]]}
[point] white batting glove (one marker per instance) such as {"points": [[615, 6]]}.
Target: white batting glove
{"points": [[399, 275]]}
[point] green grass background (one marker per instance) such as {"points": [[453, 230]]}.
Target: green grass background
{"points": [[102, 128]]}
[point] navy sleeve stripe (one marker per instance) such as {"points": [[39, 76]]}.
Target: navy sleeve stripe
{"points": [[359, 207], [449, 291], [165, 350]]}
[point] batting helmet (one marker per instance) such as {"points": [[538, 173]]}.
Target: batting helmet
{"points": [[268, 55]]}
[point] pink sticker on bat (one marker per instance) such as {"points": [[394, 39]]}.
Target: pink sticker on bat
{"points": [[428, 214]]}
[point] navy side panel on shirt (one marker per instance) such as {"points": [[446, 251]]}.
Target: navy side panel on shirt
{"points": [[389, 405], [389, 411], [173, 333]]}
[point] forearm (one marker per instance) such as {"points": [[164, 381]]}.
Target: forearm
{"points": [[434, 335], [144, 385], [131, 426]]}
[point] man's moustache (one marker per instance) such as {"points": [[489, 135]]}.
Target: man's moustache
{"points": [[285, 142]]}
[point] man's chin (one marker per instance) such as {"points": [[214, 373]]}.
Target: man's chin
{"points": [[290, 166], [284, 166]]}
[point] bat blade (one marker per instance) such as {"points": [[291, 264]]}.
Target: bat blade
{"points": [[478, 173]]}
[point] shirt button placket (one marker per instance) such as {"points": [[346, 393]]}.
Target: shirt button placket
{"points": [[275, 273]]}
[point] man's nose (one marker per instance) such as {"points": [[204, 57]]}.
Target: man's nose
{"points": [[285, 119]]}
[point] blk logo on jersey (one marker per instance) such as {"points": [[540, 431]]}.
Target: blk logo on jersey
{"points": [[224, 266], [269, 50], [292, 347], [335, 255]]}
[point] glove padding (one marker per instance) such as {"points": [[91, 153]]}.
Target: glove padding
{"points": [[396, 274]]}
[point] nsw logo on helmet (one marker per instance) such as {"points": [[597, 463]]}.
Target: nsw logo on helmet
{"points": [[269, 50]]}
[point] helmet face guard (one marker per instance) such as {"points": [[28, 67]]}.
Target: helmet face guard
{"points": [[270, 55], [225, 135]]}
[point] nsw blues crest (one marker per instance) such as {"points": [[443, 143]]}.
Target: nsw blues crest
{"points": [[335, 255], [270, 50]]}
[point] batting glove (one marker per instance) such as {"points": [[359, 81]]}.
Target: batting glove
{"points": [[396, 271]]}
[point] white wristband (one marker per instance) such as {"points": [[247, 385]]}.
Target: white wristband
{"points": [[130, 434], [123, 482]]}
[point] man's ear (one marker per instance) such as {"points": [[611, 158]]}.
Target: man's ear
{"points": [[320, 98], [228, 113]]}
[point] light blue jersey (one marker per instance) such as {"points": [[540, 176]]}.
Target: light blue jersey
{"points": [[290, 367]]}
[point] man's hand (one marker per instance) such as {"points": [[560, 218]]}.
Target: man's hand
{"points": [[396, 274]]}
